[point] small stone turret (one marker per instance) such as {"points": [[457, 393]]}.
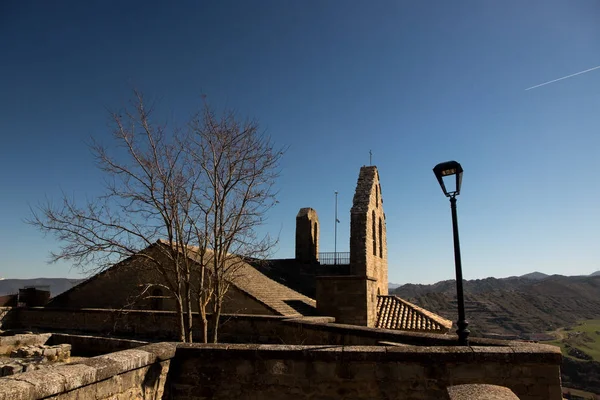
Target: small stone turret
{"points": [[307, 236]]}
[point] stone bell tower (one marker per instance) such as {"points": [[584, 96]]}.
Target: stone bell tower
{"points": [[368, 246], [352, 299]]}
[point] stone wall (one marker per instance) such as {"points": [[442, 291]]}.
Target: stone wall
{"points": [[318, 359], [344, 298], [307, 236], [149, 324], [10, 343], [225, 371], [334, 372], [162, 325], [139, 373], [132, 323]]}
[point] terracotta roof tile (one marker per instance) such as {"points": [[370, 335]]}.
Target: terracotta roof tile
{"points": [[394, 312]]}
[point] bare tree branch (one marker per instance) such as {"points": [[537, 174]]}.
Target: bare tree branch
{"points": [[194, 196]]}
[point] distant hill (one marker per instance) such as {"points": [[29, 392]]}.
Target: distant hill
{"points": [[597, 273], [515, 306], [535, 275], [56, 285], [393, 286]]}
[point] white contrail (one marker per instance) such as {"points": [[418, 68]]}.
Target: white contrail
{"points": [[564, 77]]}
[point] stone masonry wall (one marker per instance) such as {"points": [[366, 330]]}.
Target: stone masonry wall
{"points": [[10, 343], [225, 371], [344, 298], [162, 325], [129, 374], [420, 364], [156, 325], [334, 372]]}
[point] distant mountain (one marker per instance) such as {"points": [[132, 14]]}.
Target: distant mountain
{"points": [[518, 306], [393, 286], [597, 273], [55, 285], [535, 275]]}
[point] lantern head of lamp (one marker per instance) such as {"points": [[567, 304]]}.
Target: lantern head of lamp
{"points": [[445, 169]]}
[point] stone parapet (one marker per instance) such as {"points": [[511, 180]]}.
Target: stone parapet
{"points": [[361, 372], [238, 328], [254, 371], [139, 373]]}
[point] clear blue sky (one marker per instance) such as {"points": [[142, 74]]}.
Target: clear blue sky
{"points": [[416, 82]]}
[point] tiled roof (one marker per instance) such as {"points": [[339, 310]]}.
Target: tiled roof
{"points": [[396, 313]]}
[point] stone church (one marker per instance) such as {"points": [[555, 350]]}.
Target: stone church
{"points": [[354, 291]]}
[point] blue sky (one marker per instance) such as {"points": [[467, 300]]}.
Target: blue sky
{"points": [[415, 82]]}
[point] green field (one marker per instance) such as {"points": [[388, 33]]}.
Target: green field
{"points": [[584, 336]]}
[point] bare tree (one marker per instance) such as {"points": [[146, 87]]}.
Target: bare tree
{"points": [[193, 196], [239, 168]]}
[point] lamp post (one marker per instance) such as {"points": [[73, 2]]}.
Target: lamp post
{"points": [[442, 170]]}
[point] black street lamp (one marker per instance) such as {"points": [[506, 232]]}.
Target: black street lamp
{"points": [[447, 169]]}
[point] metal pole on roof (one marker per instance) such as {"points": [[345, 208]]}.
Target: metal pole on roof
{"points": [[335, 231]]}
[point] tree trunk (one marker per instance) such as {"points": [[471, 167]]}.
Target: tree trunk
{"points": [[190, 317], [216, 316], [181, 320], [203, 320]]}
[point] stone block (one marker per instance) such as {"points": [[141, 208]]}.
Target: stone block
{"points": [[244, 368], [11, 389], [134, 378], [480, 392], [409, 371], [46, 382], [107, 388], [549, 374], [277, 367], [362, 371], [322, 370], [498, 371], [76, 375], [50, 353], [466, 373]]}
